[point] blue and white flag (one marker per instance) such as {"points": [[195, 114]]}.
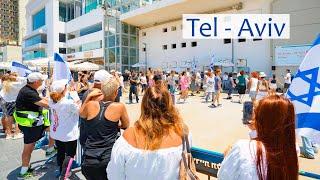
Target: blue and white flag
{"points": [[212, 62], [21, 69], [194, 65], [61, 68], [304, 92]]}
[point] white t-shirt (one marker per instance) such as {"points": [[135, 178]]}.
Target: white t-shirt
{"points": [[287, 79], [210, 84], [240, 163], [254, 84], [130, 163], [121, 81], [13, 89], [64, 120], [143, 80]]}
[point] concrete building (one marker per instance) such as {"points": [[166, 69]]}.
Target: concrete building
{"points": [[12, 29], [9, 22], [161, 43]]}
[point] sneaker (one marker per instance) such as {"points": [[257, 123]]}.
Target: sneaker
{"points": [[50, 153], [41, 143], [26, 175], [18, 136], [219, 105]]}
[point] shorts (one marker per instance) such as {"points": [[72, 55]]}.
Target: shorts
{"points": [[252, 94], [32, 134], [241, 89], [10, 107]]}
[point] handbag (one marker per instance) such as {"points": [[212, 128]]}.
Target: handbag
{"points": [[187, 167]]}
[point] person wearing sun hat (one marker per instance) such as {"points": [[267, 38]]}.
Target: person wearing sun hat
{"points": [[263, 86], [31, 118], [64, 127]]}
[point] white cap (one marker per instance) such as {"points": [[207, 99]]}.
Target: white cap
{"points": [[262, 74], [59, 85], [36, 76], [102, 76]]}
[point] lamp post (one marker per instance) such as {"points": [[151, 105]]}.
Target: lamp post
{"points": [[145, 55]]}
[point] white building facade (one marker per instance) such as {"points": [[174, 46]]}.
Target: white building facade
{"points": [[60, 27], [161, 44]]}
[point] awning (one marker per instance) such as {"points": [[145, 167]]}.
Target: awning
{"points": [[171, 10], [140, 64], [40, 63], [85, 66], [5, 65]]}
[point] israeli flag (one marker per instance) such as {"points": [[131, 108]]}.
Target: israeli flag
{"points": [[21, 69], [212, 62], [61, 68], [304, 92]]}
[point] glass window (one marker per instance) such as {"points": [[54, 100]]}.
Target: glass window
{"points": [[183, 45], [112, 56], [118, 54], [133, 52], [194, 44], [40, 38], [133, 60], [173, 46], [111, 41], [133, 30], [91, 29], [125, 40], [112, 25], [90, 5], [173, 28], [62, 50], [226, 41], [39, 19], [62, 12], [125, 51], [133, 41], [118, 40], [165, 30], [164, 47], [125, 28], [241, 40], [125, 60], [91, 46], [144, 33], [62, 37]]}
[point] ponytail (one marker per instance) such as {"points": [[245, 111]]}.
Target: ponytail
{"points": [[55, 96]]}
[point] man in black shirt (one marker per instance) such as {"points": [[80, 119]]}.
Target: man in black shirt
{"points": [[133, 87], [29, 102]]}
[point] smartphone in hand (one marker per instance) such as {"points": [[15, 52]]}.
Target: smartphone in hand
{"points": [[247, 112]]}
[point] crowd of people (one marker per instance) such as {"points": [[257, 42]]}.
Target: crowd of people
{"points": [[89, 109]]}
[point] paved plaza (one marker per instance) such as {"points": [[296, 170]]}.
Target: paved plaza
{"points": [[211, 128]]}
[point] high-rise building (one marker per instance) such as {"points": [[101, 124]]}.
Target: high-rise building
{"points": [[9, 22]]}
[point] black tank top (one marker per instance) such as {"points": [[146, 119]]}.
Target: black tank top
{"points": [[101, 135]]}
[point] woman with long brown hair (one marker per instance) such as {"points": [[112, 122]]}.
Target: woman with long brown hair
{"points": [[272, 154], [152, 148]]}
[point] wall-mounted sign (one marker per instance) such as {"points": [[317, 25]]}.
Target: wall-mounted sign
{"points": [[88, 54], [290, 55]]}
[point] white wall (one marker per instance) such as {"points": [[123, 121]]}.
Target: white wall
{"points": [[304, 25], [257, 53]]}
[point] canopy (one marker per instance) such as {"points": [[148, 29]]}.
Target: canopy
{"points": [[85, 66], [5, 65], [139, 64], [41, 63]]}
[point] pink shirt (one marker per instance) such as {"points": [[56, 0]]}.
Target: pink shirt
{"points": [[184, 83]]}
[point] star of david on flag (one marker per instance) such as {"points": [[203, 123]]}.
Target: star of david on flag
{"points": [[304, 92], [212, 62]]}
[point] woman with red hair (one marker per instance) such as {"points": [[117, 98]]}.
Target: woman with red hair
{"points": [[272, 153]]}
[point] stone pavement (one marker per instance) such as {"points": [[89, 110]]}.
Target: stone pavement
{"points": [[211, 128]]}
